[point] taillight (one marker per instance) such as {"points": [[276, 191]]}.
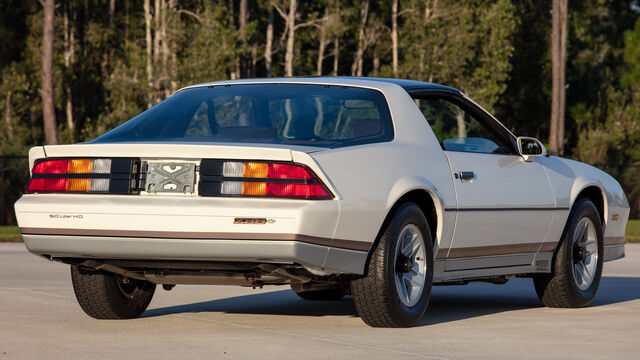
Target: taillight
{"points": [[253, 178], [81, 175]]}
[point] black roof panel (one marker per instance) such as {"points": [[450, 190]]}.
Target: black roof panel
{"points": [[408, 85]]}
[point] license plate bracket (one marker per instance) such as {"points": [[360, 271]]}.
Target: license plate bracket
{"points": [[170, 177]]}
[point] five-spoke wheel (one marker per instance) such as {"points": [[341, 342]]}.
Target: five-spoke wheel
{"points": [[577, 263], [585, 253], [395, 290], [411, 265]]}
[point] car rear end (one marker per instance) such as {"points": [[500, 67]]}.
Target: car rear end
{"points": [[177, 208], [212, 186]]}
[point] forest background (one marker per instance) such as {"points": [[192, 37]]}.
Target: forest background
{"points": [[112, 59]]}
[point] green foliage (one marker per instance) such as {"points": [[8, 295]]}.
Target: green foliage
{"points": [[465, 44], [497, 51], [614, 143], [632, 234], [10, 234], [632, 56], [211, 49]]}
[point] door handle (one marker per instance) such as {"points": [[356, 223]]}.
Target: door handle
{"points": [[466, 175]]}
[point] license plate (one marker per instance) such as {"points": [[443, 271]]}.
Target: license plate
{"points": [[170, 177]]}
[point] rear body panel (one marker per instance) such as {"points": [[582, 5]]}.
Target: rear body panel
{"points": [[123, 226]]}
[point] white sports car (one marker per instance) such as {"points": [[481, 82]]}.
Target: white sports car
{"points": [[377, 188]]}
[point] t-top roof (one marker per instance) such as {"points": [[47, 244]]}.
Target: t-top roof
{"points": [[408, 85]]}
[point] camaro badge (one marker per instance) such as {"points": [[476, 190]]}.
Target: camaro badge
{"points": [[253, 221]]}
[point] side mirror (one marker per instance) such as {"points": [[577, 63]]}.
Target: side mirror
{"points": [[530, 147]]}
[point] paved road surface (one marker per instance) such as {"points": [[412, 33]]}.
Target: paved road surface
{"points": [[39, 319]]}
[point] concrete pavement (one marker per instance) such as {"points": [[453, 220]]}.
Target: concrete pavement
{"points": [[39, 318]]}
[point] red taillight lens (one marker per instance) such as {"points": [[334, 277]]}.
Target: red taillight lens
{"points": [[51, 167], [296, 190], [47, 184], [255, 178], [81, 175], [286, 171]]}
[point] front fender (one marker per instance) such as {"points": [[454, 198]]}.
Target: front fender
{"points": [[585, 181]]}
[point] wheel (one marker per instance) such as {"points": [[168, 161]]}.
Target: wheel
{"points": [[578, 262], [105, 295], [395, 290], [325, 294]]}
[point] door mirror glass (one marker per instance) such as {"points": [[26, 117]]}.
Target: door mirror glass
{"points": [[530, 148]]}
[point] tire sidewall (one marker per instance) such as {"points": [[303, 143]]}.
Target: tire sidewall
{"points": [[408, 214], [585, 208]]}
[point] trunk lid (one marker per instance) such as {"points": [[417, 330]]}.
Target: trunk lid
{"points": [[179, 151]]}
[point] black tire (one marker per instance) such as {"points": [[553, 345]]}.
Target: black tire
{"points": [[560, 289], [326, 294], [105, 295], [375, 294]]}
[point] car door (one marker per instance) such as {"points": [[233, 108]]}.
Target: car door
{"points": [[504, 204]]}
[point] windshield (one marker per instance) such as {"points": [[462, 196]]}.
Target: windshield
{"points": [[312, 115]]}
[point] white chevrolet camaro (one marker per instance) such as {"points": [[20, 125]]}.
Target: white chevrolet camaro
{"points": [[377, 188]]}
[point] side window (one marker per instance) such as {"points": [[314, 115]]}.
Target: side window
{"points": [[457, 130]]}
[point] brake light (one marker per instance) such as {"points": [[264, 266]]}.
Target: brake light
{"points": [[81, 175], [50, 167], [253, 178]]}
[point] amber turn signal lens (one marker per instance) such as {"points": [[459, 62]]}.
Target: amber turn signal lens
{"points": [[80, 166], [79, 184], [254, 188], [256, 170]]}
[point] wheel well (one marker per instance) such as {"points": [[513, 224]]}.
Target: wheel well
{"points": [[424, 202], [594, 194]]}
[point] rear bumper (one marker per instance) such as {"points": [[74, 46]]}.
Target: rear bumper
{"points": [[136, 248], [188, 228]]}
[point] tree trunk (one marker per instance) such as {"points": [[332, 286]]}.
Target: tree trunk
{"points": [[336, 55], [232, 21], [173, 6], [376, 61], [462, 129], [254, 60], [48, 109], [356, 67], [7, 118], [558, 62], [322, 42], [232, 24], [157, 34], [394, 36], [165, 50], [157, 50], [243, 15], [126, 21], [269, 45], [291, 23], [147, 22], [112, 10], [69, 49]]}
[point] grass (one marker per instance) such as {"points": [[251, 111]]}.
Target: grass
{"points": [[633, 231], [12, 234]]}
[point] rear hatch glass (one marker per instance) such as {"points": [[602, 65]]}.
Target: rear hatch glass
{"points": [[300, 114]]}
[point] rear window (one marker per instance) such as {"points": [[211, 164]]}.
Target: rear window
{"points": [[311, 115]]}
